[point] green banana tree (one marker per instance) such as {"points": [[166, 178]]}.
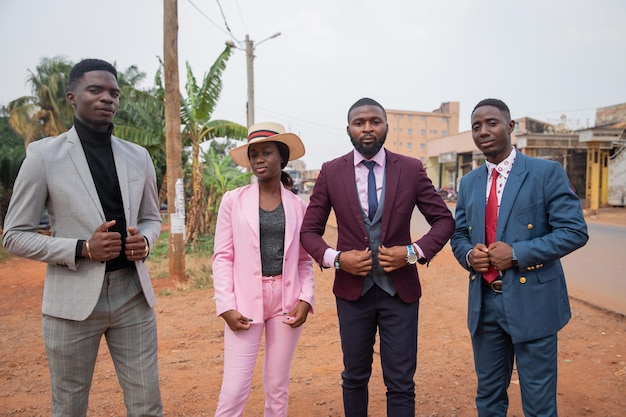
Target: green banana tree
{"points": [[141, 119], [196, 111]]}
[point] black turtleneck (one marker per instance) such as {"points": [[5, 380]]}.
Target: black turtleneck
{"points": [[97, 147]]}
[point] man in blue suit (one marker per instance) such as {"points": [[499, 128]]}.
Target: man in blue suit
{"points": [[517, 294]]}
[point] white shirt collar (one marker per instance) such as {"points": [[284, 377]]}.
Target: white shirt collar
{"points": [[504, 167]]}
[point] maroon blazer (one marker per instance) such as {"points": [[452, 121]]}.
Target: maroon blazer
{"points": [[406, 186]]}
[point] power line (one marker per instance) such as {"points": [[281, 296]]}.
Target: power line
{"points": [[207, 18], [226, 22], [243, 23], [318, 125]]}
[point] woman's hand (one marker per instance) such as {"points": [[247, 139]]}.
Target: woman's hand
{"points": [[236, 321], [297, 316]]}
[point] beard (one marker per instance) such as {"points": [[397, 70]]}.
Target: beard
{"points": [[368, 150]]}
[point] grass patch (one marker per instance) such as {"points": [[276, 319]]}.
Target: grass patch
{"points": [[197, 263], [4, 255], [160, 248]]}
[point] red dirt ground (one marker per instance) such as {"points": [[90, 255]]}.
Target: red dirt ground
{"points": [[592, 353]]}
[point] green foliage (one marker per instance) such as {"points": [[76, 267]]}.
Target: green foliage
{"points": [[196, 112], [220, 174], [198, 266], [46, 112], [140, 119], [203, 246], [160, 248], [12, 154]]}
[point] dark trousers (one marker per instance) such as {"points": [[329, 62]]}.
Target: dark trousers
{"points": [[396, 323], [494, 354]]}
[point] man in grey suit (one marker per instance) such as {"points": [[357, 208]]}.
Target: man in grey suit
{"points": [[517, 293], [101, 195]]}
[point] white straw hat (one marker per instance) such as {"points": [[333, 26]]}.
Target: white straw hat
{"points": [[265, 132]]}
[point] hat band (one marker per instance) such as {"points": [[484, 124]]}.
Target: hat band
{"points": [[261, 134]]}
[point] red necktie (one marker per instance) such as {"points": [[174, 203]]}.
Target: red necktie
{"points": [[491, 222]]}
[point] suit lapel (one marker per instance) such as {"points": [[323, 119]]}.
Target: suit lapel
{"points": [[122, 175], [77, 155], [350, 199], [250, 208], [479, 201], [511, 190], [391, 182], [290, 216]]}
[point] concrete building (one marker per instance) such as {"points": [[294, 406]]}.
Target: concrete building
{"points": [[411, 131], [594, 158]]}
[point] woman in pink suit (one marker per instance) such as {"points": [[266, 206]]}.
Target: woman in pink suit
{"points": [[263, 278]]}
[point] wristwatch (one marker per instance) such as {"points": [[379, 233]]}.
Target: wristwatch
{"points": [[337, 262], [411, 257]]}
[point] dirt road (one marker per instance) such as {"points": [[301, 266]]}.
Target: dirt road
{"points": [[592, 354]]}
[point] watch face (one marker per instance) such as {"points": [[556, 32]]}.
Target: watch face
{"points": [[411, 258]]}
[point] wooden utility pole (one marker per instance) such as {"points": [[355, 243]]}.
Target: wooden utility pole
{"points": [[173, 139]]}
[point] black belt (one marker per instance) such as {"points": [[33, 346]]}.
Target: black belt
{"points": [[495, 285]]}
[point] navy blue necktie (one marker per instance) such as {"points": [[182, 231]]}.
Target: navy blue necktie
{"points": [[372, 199]]}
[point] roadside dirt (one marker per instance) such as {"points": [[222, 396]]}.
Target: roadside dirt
{"points": [[592, 352]]}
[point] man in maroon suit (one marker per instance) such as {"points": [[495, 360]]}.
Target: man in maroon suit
{"points": [[373, 193]]}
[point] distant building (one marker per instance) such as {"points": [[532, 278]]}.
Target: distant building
{"points": [[410, 131], [296, 169], [594, 158]]}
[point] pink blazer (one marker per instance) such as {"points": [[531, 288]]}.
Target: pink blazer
{"points": [[237, 256]]}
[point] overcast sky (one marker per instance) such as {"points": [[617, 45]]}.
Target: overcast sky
{"points": [[543, 57]]}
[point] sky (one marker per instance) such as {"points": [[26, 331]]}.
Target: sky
{"points": [[544, 58]]}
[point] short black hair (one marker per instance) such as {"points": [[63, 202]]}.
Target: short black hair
{"points": [[90, 64], [366, 101], [499, 104]]}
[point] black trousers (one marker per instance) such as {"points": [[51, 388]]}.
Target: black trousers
{"points": [[396, 323]]}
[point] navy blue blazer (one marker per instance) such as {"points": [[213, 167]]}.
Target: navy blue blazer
{"points": [[541, 218]]}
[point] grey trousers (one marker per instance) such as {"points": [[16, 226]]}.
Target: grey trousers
{"points": [[123, 316]]}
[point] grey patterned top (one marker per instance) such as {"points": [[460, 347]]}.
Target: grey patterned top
{"points": [[272, 229]]}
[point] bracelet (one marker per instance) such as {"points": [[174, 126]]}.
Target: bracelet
{"points": [[147, 251], [88, 250]]}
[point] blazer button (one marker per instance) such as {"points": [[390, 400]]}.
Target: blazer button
{"points": [[470, 228], [530, 226], [522, 280], [473, 277]]}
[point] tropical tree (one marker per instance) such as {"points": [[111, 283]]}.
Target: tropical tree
{"points": [[46, 112], [141, 119], [12, 153], [196, 111], [220, 175]]}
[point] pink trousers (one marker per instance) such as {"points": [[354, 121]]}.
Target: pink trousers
{"points": [[241, 349]]}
